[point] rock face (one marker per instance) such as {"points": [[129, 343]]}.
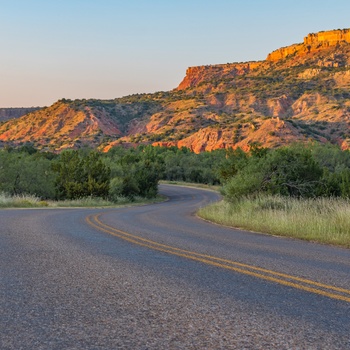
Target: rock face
{"points": [[196, 75], [313, 42], [300, 93], [328, 38]]}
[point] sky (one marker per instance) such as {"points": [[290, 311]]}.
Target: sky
{"points": [[75, 49]]}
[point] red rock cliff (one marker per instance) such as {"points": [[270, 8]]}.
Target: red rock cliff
{"points": [[196, 75], [313, 42]]}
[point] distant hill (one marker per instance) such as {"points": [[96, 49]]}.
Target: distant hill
{"points": [[11, 113], [299, 93]]}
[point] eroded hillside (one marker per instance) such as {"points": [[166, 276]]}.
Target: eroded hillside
{"points": [[299, 93]]}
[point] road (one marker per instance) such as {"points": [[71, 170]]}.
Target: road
{"points": [[157, 277]]}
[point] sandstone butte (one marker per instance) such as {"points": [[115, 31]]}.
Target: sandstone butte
{"points": [[313, 42], [299, 93], [275, 131]]}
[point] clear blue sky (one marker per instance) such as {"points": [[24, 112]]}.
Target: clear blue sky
{"points": [[52, 49]]}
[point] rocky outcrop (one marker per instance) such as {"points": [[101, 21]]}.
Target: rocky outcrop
{"points": [[206, 139], [312, 43], [328, 38], [270, 133], [196, 75], [279, 106], [284, 52]]}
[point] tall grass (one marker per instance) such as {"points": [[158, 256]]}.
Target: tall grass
{"points": [[31, 201], [324, 220], [100, 202], [191, 184], [20, 201]]}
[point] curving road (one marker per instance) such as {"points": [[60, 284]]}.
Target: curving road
{"points": [[157, 277]]}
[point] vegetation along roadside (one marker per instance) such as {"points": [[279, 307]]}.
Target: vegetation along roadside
{"points": [[300, 190], [297, 191], [323, 220]]}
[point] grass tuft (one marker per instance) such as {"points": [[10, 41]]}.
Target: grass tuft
{"points": [[30, 201], [324, 220], [191, 184], [19, 201]]}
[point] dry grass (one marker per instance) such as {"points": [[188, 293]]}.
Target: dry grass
{"points": [[191, 184], [30, 201], [20, 201], [324, 220]]}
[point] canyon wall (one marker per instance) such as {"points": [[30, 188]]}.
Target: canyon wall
{"points": [[312, 42], [196, 75], [330, 38]]}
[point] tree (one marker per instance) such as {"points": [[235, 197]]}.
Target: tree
{"points": [[26, 173], [288, 171], [81, 175]]}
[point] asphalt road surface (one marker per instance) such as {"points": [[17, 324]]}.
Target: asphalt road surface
{"points": [[157, 277]]}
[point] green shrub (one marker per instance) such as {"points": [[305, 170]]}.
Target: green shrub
{"points": [[288, 171], [80, 175]]}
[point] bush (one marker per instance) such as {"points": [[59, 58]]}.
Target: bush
{"points": [[287, 171], [123, 187], [80, 175], [26, 173]]}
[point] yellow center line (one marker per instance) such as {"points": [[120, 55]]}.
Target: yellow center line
{"points": [[289, 280]]}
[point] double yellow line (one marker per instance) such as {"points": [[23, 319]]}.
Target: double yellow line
{"points": [[265, 274]]}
